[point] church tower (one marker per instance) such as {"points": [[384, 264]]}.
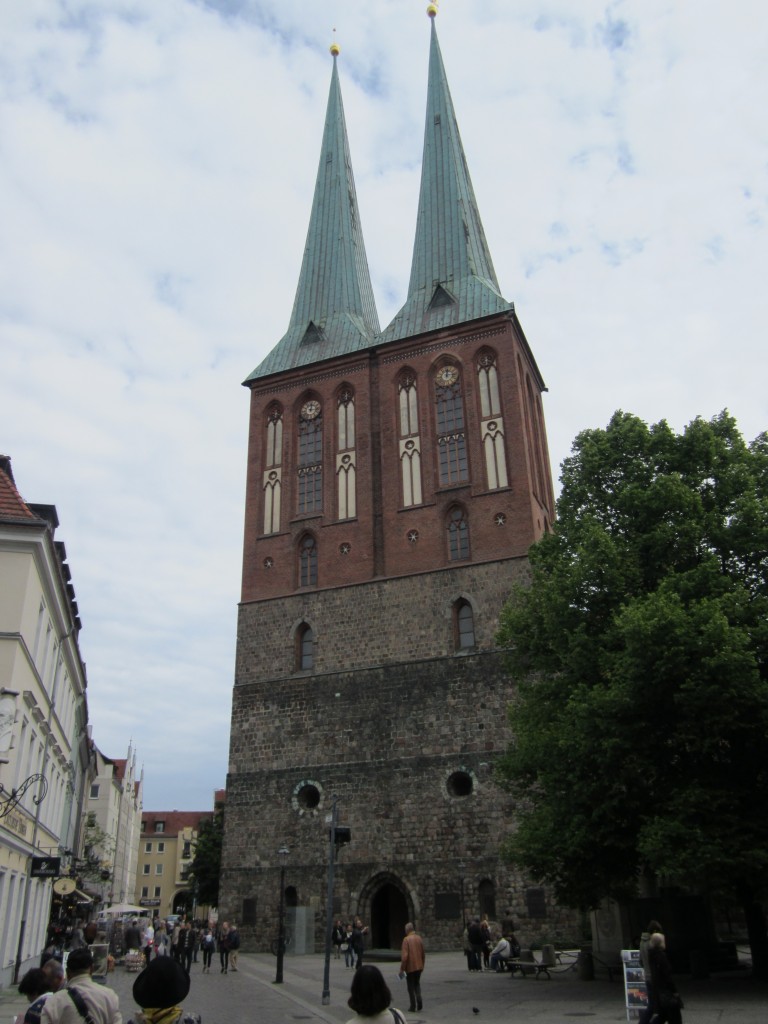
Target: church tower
{"points": [[396, 480]]}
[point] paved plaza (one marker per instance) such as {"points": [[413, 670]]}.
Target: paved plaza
{"points": [[451, 995]]}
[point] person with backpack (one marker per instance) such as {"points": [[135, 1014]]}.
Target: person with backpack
{"points": [[82, 1000], [234, 946], [207, 944]]}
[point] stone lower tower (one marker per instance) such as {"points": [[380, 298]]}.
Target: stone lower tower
{"points": [[396, 480]]}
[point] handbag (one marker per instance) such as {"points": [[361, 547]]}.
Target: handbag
{"points": [[671, 1001], [344, 947]]}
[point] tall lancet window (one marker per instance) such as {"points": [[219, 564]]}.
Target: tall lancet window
{"points": [[458, 534], [410, 441], [273, 472], [307, 561], [310, 461], [451, 438], [491, 423], [345, 454]]}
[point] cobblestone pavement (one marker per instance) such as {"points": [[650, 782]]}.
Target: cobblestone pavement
{"points": [[451, 995]]}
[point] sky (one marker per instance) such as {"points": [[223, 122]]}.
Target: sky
{"points": [[157, 166]]}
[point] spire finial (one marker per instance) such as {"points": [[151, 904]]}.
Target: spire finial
{"points": [[432, 11], [334, 47]]}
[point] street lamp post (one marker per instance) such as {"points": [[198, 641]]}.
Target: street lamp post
{"points": [[282, 853], [460, 866], [334, 816]]}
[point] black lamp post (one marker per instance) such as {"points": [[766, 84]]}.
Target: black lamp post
{"points": [[282, 853], [460, 866]]}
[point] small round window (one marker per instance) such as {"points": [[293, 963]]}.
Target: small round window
{"points": [[460, 784], [307, 797]]}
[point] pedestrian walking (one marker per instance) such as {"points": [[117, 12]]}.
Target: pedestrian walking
{"points": [[412, 959]]}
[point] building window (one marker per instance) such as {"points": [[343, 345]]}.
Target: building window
{"points": [[145, 869], [464, 626], [187, 852], [486, 892], [305, 648], [491, 423], [453, 467], [95, 791], [161, 847], [307, 561], [248, 916], [488, 384], [346, 462], [147, 847], [159, 826], [310, 460], [273, 479], [458, 535], [158, 869], [144, 891], [410, 442], [143, 826], [157, 891]]}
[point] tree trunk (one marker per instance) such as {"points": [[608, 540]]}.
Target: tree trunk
{"points": [[757, 930]]}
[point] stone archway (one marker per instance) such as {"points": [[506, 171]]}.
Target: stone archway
{"points": [[388, 907]]}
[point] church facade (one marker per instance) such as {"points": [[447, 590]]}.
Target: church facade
{"points": [[396, 480]]}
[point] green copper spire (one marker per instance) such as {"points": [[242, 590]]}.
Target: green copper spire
{"points": [[334, 312], [452, 275]]}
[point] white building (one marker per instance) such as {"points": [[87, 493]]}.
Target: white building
{"points": [[44, 749], [114, 807]]}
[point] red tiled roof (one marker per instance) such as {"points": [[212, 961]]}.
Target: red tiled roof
{"points": [[174, 821], [13, 508]]}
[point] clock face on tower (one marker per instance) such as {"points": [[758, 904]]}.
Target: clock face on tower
{"points": [[310, 409], [447, 376]]}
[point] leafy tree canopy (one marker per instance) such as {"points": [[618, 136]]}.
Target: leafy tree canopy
{"points": [[641, 649], [206, 865]]}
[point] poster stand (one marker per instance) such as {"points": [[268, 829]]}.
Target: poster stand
{"points": [[635, 988]]}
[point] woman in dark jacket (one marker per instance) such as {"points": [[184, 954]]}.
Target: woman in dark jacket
{"points": [[666, 1001]]}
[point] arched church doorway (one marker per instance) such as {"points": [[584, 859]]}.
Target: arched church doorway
{"points": [[389, 914]]}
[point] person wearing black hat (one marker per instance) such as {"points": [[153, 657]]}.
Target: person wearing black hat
{"points": [[159, 990]]}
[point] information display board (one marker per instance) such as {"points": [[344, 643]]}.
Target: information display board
{"points": [[635, 988]]}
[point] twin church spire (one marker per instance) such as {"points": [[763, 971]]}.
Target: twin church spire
{"points": [[452, 277]]}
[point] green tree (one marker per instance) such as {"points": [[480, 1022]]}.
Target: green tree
{"points": [[205, 869], [641, 719]]}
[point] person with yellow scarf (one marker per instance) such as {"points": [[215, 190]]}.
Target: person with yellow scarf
{"points": [[159, 990]]}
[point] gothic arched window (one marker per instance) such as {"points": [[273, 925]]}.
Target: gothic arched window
{"points": [[464, 625], [458, 534], [491, 423], [346, 462], [451, 439], [410, 442], [307, 561], [273, 473], [310, 458], [305, 647]]}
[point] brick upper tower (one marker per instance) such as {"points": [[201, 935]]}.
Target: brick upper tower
{"points": [[396, 480]]}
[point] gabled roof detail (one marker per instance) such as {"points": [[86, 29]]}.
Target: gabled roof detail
{"points": [[13, 508], [450, 251], [334, 312]]}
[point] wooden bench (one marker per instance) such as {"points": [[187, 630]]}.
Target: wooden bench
{"points": [[551, 963], [527, 964]]}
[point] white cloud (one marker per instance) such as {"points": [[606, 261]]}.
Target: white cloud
{"points": [[157, 163]]}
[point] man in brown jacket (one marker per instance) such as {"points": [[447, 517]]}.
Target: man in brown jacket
{"points": [[412, 959]]}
